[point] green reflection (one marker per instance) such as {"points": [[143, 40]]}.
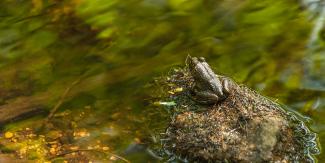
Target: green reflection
{"points": [[118, 47]]}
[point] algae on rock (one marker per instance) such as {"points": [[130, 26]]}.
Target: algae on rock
{"points": [[245, 127]]}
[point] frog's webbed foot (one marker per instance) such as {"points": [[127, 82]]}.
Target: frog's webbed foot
{"points": [[206, 97]]}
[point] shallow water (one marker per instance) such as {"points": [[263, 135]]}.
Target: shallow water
{"points": [[116, 48]]}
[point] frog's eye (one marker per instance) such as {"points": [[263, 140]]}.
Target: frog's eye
{"points": [[194, 60], [202, 59]]}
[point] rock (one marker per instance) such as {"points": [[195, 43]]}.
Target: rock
{"points": [[245, 127]]}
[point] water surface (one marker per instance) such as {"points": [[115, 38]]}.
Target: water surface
{"points": [[116, 48]]}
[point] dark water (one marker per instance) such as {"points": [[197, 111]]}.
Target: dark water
{"points": [[115, 48]]}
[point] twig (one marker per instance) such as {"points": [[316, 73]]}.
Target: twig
{"points": [[62, 98], [91, 150]]}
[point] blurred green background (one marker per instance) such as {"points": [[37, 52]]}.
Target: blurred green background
{"points": [[276, 47]]}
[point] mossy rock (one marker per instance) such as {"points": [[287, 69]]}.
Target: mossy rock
{"points": [[245, 127]]}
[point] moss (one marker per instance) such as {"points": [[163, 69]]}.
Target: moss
{"points": [[244, 127]]}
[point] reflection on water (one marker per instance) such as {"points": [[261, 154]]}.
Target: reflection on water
{"points": [[118, 47]]}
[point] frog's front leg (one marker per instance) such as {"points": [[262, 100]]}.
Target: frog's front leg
{"points": [[206, 97], [226, 82]]}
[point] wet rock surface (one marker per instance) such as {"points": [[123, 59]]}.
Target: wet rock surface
{"points": [[245, 127]]}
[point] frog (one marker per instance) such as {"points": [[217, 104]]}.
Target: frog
{"points": [[208, 87]]}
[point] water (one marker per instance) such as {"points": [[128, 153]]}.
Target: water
{"points": [[115, 48]]}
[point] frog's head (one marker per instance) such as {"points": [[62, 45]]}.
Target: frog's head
{"points": [[192, 62]]}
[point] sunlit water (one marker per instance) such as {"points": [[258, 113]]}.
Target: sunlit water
{"points": [[117, 48]]}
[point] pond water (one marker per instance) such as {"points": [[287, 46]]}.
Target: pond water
{"points": [[107, 52]]}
